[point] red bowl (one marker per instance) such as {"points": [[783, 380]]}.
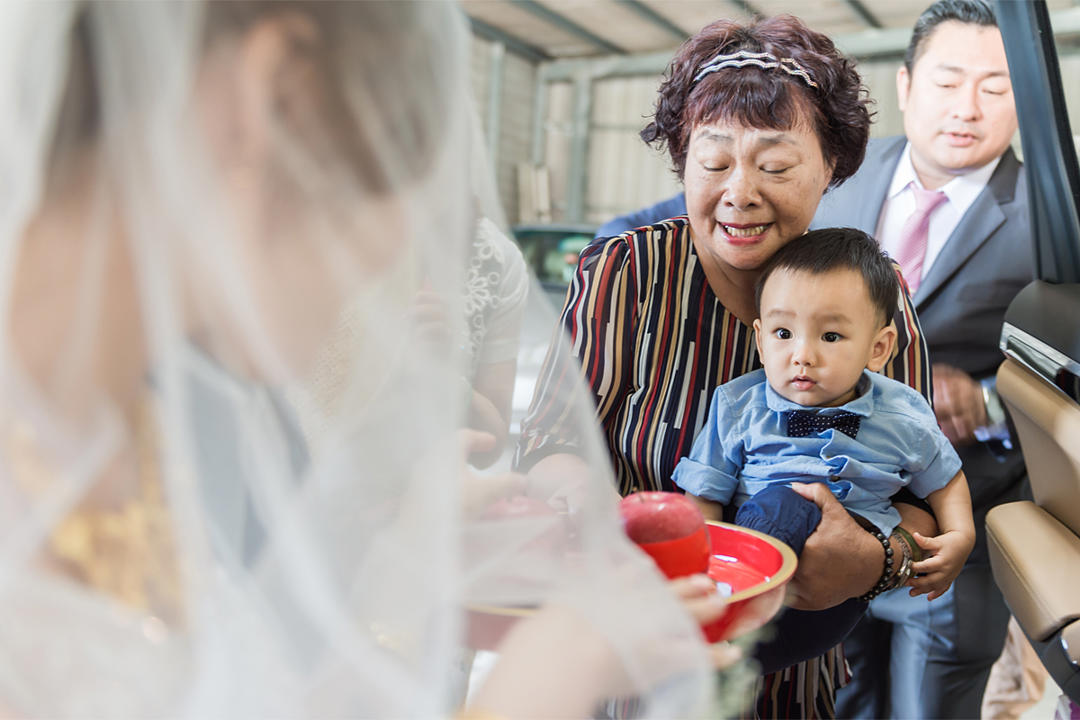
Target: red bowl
{"points": [[753, 564], [487, 625]]}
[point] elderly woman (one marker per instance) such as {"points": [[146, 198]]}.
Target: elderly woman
{"points": [[760, 121]]}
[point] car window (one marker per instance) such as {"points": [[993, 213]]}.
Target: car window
{"points": [[552, 253]]}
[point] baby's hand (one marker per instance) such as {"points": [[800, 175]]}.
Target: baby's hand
{"points": [[945, 555]]}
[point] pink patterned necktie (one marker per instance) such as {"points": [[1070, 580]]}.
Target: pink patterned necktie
{"points": [[913, 235]]}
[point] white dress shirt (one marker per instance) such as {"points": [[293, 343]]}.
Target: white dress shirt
{"points": [[960, 192]]}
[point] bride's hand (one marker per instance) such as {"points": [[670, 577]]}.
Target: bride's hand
{"points": [[478, 491], [558, 663], [430, 319], [699, 597]]}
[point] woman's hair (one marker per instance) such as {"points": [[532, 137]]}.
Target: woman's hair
{"points": [[821, 251], [837, 109]]}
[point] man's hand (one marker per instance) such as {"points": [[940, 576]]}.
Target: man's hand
{"points": [[840, 559], [958, 404]]}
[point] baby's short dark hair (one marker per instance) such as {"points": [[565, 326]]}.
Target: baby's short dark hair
{"points": [[820, 251]]}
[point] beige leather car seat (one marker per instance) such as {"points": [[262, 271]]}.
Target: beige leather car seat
{"points": [[1035, 546]]}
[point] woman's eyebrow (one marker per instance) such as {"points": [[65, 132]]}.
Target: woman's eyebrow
{"points": [[780, 138], [714, 136], [777, 138]]}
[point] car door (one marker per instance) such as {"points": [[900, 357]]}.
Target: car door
{"points": [[1035, 546]]}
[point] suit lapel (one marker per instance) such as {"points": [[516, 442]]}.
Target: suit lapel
{"points": [[979, 222], [865, 216]]}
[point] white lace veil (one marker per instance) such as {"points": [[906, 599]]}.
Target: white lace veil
{"points": [[233, 481]]}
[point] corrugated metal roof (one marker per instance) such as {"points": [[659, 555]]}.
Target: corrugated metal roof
{"points": [[553, 29]]}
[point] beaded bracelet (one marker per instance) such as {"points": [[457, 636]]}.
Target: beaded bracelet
{"points": [[884, 581]]}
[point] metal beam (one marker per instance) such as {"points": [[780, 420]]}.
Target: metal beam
{"points": [[864, 13], [860, 45], [539, 126], [746, 7], [568, 69], [655, 18], [875, 43], [494, 108], [1053, 177], [577, 177], [1065, 22], [513, 44], [564, 23]]}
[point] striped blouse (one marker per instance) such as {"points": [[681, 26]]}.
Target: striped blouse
{"points": [[653, 342]]}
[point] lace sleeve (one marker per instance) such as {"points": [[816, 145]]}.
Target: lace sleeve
{"points": [[496, 289]]}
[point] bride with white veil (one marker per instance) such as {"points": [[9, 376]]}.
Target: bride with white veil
{"points": [[233, 477]]}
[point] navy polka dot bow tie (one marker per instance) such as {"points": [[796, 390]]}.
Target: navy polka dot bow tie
{"points": [[802, 423]]}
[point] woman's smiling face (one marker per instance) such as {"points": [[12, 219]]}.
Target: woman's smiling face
{"points": [[749, 191]]}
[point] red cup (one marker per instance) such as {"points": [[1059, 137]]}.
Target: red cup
{"points": [[753, 564], [683, 556]]}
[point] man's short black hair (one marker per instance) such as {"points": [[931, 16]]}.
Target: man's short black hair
{"points": [[827, 249], [970, 12]]}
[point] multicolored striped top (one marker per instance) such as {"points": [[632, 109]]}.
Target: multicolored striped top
{"points": [[653, 342]]}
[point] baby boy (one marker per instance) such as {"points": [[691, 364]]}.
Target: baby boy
{"points": [[819, 411]]}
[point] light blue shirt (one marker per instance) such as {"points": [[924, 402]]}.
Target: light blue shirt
{"points": [[744, 447]]}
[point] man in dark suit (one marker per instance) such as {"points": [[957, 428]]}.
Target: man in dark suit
{"points": [[949, 202]]}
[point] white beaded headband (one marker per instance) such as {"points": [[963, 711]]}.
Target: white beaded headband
{"points": [[763, 60]]}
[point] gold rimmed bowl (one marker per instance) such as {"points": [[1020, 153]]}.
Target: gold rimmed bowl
{"points": [[751, 569]]}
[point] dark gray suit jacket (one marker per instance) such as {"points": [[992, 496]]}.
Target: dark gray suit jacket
{"points": [[962, 300]]}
